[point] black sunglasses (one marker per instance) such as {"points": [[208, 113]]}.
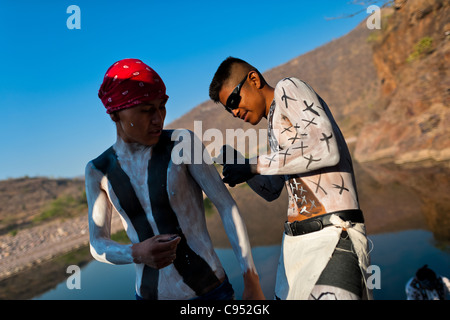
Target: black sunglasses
{"points": [[235, 97]]}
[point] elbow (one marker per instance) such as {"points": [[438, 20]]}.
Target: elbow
{"points": [[94, 253], [334, 156], [268, 195], [97, 253], [272, 197], [334, 159], [110, 252]]}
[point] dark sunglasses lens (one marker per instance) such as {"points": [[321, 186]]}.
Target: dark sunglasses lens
{"points": [[233, 101]]}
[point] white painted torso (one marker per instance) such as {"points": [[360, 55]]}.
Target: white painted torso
{"points": [[186, 200], [300, 133]]}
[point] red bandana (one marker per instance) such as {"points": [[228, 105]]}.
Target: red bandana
{"points": [[130, 82]]}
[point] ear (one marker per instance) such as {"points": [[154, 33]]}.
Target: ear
{"points": [[114, 116], [255, 79]]}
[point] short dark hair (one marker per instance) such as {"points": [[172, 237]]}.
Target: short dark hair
{"points": [[223, 74]]}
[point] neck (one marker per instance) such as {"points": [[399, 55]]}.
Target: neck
{"points": [[129, 147], [268, 94]]}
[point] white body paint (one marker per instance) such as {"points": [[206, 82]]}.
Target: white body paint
{"points": [[185, 183], [302, 123], [335, 160]]}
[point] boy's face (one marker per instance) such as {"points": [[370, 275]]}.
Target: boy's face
{"points": [[143, 123], [251, 107]]}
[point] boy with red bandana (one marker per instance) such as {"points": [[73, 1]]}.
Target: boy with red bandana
{"points": [[160, 203]]}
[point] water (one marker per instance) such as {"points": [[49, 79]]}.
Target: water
{"points": [[405, 210], [398, 254], [100, 281]]}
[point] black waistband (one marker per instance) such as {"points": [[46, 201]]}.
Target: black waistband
{"points": [[297, 228]]}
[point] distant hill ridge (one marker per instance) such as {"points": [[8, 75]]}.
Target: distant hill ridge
{"points": [[28, 201], [341, 72], [388, 89]]}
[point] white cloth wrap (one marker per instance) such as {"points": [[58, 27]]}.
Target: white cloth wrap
{"points": [[304, 257]]}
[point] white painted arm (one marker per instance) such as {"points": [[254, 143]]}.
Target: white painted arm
{"points": [[209, 180], [211, 183], [100, 211], [312, 144]]}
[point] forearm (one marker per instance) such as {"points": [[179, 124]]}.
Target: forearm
{"points": [[210, 182], [268, 187], [108, 251], [237, 234]]}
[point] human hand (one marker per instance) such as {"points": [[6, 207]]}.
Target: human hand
{"points": [[234, 174], [156, 252], [229, 155], [236, 168]]}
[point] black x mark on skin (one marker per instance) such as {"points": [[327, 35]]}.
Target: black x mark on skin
{"points": [[304, 144]]}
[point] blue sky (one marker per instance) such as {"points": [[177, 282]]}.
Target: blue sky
{"points": [[52, 120]]}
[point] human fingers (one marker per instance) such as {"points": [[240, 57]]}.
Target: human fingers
{"points": [[168, 243], [167, 237]]}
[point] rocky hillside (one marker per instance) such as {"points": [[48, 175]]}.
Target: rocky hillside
{"points": [[388, 89], [411, 55], [341, 71]]}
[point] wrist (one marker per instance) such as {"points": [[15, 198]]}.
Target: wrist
{"points": [[251, 276], [136, 254], [252, 287]]}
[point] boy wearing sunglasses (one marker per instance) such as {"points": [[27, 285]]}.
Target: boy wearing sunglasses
{"points": [[324, 251]]}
